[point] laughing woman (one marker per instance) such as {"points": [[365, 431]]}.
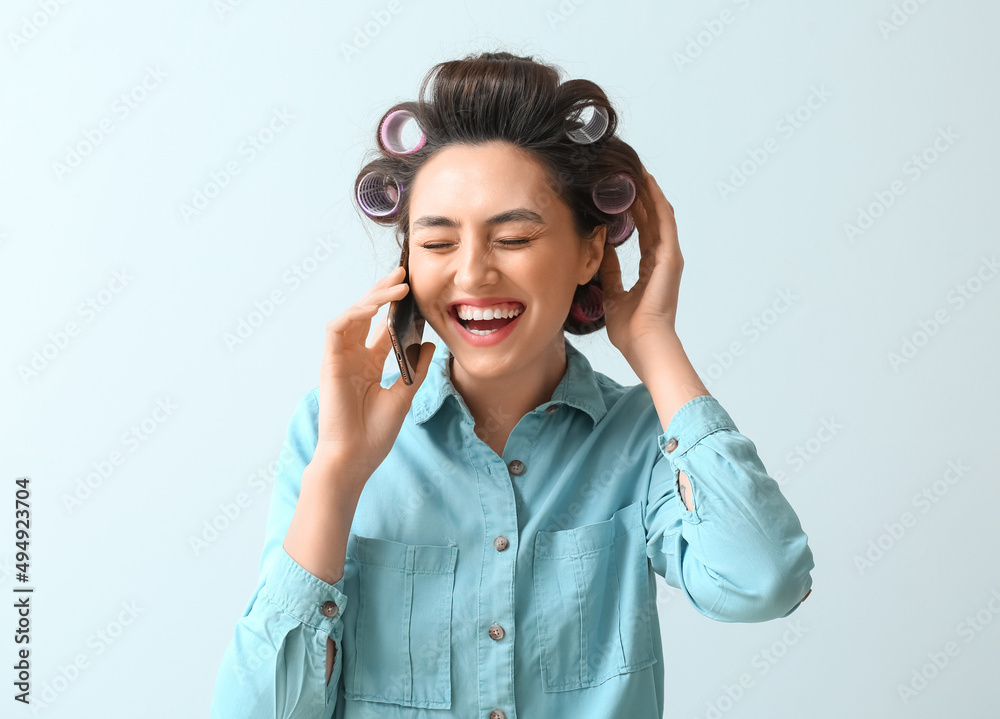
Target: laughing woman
{"points": [[483, 542]]}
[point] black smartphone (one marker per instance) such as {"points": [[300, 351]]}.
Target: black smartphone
{"points": [[406, 327]]}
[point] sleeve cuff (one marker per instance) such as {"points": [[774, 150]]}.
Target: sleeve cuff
{"points": [[303, 595], [695, 420]]}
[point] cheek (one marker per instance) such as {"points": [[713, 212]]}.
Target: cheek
{"points": [[428, 301]]}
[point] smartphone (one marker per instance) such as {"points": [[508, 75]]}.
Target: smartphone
{"points": [[406, 327]]}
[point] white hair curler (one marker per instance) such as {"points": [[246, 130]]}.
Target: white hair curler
{"points": [[593, 127], [379, 194]]}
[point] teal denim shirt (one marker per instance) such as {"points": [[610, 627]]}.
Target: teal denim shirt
{"points": [[484, 586]]}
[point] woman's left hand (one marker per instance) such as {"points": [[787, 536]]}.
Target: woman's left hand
{"points": [[643, 316]]}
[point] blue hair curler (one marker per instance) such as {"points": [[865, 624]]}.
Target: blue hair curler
{"points": [[379, 194], [593, 128], [615, 193], [390, 132]]}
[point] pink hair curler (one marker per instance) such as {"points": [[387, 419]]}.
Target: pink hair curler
{"points": [[615, 193], [620, 228], [593, 128], [379, 194], [590, 307], [391, 132]]}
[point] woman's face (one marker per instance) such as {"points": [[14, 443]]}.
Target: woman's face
{"points": [[486, 229]]}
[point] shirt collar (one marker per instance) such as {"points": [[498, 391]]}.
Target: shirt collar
{"points": [[578, 387]]}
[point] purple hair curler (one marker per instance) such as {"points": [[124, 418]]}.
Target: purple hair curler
{"points": [[379, 194], [615, 193], [391, 132], [593, 128], [620, 228], [590, 308]]}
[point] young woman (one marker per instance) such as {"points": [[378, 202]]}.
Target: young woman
{"points": [[483, 542]]}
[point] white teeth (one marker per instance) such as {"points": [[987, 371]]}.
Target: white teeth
{"points": [[468, 312]]}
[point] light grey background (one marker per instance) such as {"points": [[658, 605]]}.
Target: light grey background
{"points": [[854, 437]]}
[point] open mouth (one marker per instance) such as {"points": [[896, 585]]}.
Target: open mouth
{"points": [[485, 326]]}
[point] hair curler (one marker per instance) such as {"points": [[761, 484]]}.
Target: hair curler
{"points": [[390, 132], [593, 129], [589, 307], [614, 193], [620, 228], [379, 194]]}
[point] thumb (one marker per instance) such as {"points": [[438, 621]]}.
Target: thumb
{"points": [[423, 364]]}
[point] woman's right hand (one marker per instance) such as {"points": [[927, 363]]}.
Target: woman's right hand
{"points": [[359, 419]]}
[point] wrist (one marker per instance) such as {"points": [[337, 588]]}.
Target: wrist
{"points": [[338, 479]]}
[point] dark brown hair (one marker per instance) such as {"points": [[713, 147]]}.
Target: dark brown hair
{"points": [[499, 96]]}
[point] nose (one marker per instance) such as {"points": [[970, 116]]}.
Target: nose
{"points": [[474, 265]]}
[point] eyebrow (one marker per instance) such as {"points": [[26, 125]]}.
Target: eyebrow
{"points": [[520, 214]]}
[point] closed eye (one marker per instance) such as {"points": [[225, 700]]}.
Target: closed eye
{"points": [[509, 243]]}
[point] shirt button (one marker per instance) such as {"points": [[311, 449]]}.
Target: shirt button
{"points": [[496, 632], [671, 444], [516, 467], [497, 714], [330, 609], [551, 408], [501, 543]]}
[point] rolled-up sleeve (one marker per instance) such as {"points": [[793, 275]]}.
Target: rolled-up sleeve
{"points": [[740, 554], [275, 664]]}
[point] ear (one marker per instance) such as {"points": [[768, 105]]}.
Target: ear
{"points": [[594, 253]]}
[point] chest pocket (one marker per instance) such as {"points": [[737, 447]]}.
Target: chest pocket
{"points": [[402, 643], [593, 601]]}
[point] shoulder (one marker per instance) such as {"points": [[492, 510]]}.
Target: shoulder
{"points": [[631, 402]]}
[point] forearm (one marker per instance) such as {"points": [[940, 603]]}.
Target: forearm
{"points": [[320, 527], [664, 368]]}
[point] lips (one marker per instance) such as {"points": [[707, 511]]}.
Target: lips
{"points": [[503, 329]]}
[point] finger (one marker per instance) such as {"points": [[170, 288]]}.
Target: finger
{"points": [[406, 391], [647, 225], [664, 209], [380, 348], [392, 277], [382, 341], [353, 326], [423, 363], [611, 273]]}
